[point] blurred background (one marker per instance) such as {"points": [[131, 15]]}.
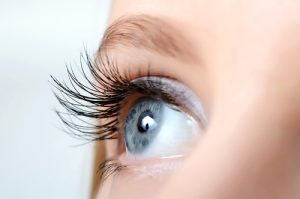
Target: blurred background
{"points": [[37, 38]]}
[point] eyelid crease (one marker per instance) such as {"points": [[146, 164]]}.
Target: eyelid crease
{"points": [[178, 95]]}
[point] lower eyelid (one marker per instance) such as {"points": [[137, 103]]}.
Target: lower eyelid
{"points": [[149, 167]]}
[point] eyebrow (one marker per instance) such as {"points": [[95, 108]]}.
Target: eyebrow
{"points": [[146, 32]]}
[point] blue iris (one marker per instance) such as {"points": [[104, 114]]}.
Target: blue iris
{"points": [[142, 124]]}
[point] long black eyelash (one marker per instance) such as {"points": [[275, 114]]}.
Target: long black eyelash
{"points": [[98, 99]]}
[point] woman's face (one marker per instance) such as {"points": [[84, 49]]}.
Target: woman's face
{"points": [[241, 58]]}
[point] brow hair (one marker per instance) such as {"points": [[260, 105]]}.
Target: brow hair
{"points": [[147, 32]]}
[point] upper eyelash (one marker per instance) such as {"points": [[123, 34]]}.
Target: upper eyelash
{"points": [[91, 100], [100, 98]]}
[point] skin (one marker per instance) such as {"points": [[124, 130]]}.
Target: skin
{"points": [[246, 69]]}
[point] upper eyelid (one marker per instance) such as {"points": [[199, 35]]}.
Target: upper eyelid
{"points": [[188, 101]]}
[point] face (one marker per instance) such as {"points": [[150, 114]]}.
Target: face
{"points": [[212, 105]]}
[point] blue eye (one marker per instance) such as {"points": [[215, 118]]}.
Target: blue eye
{"points": [[155, 128], [142, 124]]}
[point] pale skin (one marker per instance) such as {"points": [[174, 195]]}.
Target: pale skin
{"points": [[245, 66]]}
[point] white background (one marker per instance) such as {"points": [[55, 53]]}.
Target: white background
{"points": [[37, 38]]}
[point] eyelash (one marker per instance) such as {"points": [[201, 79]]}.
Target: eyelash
{"points": [[102, 99], [108, 168]]}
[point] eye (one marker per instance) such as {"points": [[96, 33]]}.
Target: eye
{"points": [[156, 128], [164, 122]]}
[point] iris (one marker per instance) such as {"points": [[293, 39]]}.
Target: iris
{"points": [[142, 124]]}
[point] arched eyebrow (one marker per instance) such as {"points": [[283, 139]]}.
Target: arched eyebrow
{"points": [[148, 33]]}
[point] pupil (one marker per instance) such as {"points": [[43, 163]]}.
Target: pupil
{"points": [[146, 122]]}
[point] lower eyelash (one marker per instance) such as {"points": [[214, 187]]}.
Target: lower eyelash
{"points": [[108, 168]]}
